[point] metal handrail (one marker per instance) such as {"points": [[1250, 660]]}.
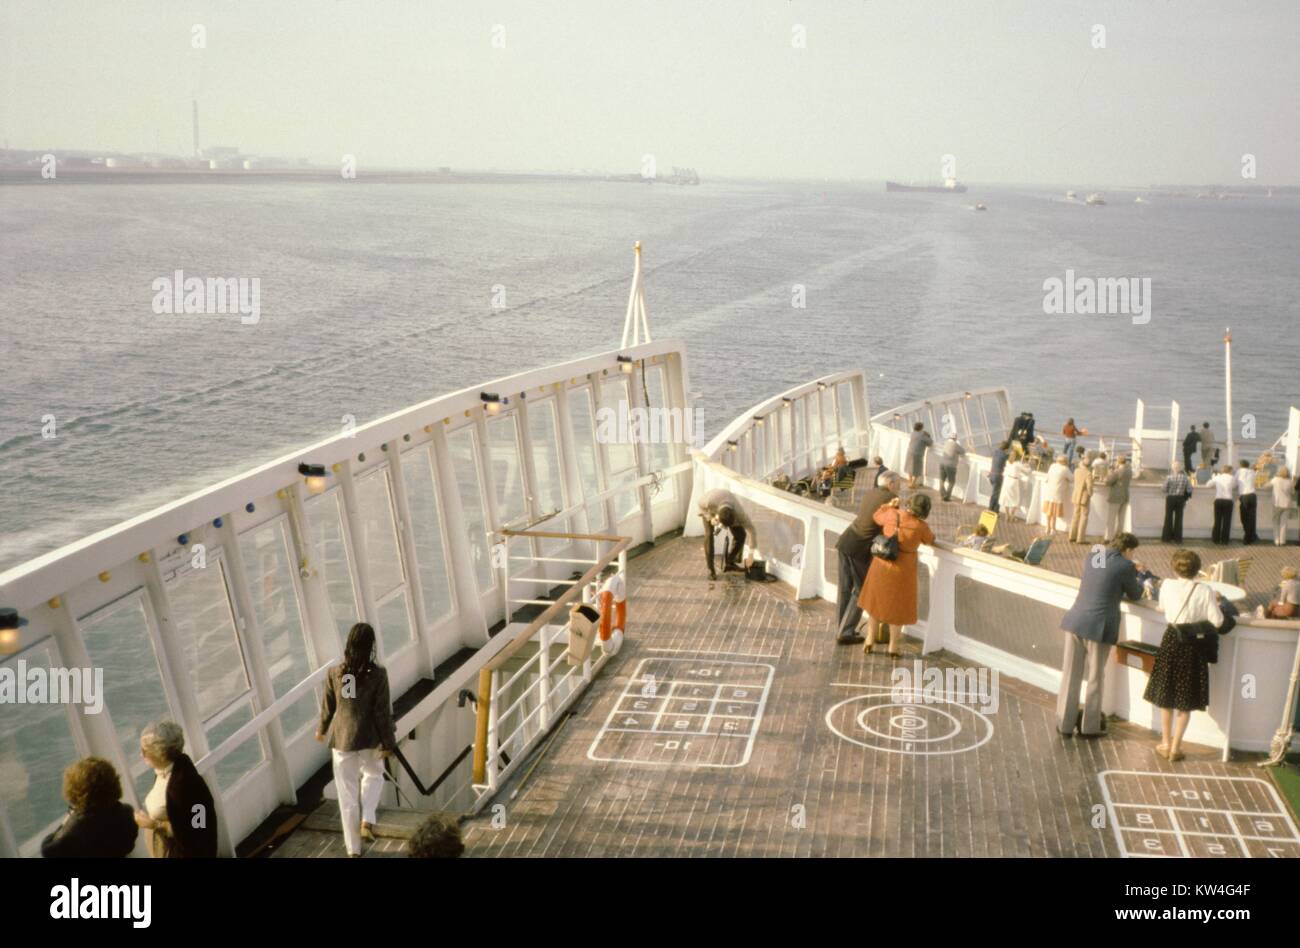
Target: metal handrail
{"points": [[485, 685], [259, 721]]}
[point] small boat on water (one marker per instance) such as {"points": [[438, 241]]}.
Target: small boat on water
{"points": [[1094, 198], [1140, 200], [1071, 196], [981, 207]]}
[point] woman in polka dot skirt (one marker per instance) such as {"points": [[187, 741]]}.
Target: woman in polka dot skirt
{"points": [[1180, 680]]}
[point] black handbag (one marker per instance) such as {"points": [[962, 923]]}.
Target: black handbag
{"points": [[1204, 635], [886, 548]]}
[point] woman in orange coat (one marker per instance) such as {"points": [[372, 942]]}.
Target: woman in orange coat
{"points": [[889, 594]]}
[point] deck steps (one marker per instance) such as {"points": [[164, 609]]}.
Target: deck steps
{"points": [[320, 836]]}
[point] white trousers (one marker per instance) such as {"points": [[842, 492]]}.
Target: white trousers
{"points": [[364, 767]]}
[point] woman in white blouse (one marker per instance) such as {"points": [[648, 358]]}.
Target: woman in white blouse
{"points": [[1180, 680], [1057, 491], [1013, 497], [1283, 503]]}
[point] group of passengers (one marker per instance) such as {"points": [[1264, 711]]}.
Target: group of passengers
{"points": [[878, 564], [178, 814]]}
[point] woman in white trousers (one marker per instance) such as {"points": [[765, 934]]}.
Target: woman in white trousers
{"points": [[357, 716]]}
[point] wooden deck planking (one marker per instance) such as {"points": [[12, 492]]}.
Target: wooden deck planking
{"points": [[1026, 792]]}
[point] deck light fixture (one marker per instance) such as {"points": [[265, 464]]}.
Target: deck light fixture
{"points": [[821, 386], [731, 446], [10, 623], [315, 477], [492, 402], [625, 364], [758, 421]]}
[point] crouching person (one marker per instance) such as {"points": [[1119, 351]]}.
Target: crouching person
{"points": [[720, 510]]}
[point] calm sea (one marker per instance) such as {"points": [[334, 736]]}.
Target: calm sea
{"points": [[374, 296]]}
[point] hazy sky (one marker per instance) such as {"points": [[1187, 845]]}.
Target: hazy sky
{"points": [[1015, 91]]}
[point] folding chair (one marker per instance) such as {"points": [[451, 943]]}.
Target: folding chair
{"points": [[1037, 550], [988, 520]]}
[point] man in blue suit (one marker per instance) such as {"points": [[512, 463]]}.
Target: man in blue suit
{"points": [[1091, 627]]}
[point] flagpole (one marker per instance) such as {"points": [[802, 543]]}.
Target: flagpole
{"points": [[1227, 392]]}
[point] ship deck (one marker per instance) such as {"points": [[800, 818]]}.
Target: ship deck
{"points": [[794, 746], [824, 763]]}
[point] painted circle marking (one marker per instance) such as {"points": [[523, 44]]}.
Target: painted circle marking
{"points": [[879, 721]]}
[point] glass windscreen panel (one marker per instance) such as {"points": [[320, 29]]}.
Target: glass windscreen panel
{"points": [[462, 445], [207, 639], [830, 435], [615, 429], [384, 559], [36, 746], [245, 758], [213, 655], [544, 436], [664, 427], [333, 561], [584, 447], [848, 418], [507, 472], [426, 524], [270, 566], [118, 640]]}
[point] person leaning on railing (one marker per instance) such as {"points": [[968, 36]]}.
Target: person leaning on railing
{"points": [[1091, 627], [1001, 454], [889, 594], [1117, 496], [357, 716], [853, 550], [1180, 679], [98, 825], [1284, 504], [178, 813], [1177, 489]]}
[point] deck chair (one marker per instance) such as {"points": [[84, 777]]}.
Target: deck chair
{"points": [[1231, 571], [1037, 550], [1030, 557], [843, 485], [988, 519]]}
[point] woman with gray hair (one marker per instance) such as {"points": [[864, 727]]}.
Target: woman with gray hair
{"points": [[178, 812]]}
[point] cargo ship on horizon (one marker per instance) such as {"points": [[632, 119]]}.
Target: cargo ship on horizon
{"points": [[949, 186]]}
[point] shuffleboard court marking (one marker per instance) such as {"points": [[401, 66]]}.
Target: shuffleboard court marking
{"points": [[696, 711], [907, 721], [1197, 815]]}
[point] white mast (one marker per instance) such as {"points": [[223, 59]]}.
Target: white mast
{"points": [[636, 325], [1227, 391]]}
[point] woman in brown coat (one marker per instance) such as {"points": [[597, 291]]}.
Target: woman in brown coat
{"points": [[889, 594]]}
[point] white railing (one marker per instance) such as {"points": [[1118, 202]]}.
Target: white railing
{"points": [[796, 431], [271, 565], [956, 579], [534, 682]]}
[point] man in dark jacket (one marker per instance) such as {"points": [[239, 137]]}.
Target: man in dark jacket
{"points": [[854, 549], [1000, 457], [1191, 441], [1091, 627]]}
